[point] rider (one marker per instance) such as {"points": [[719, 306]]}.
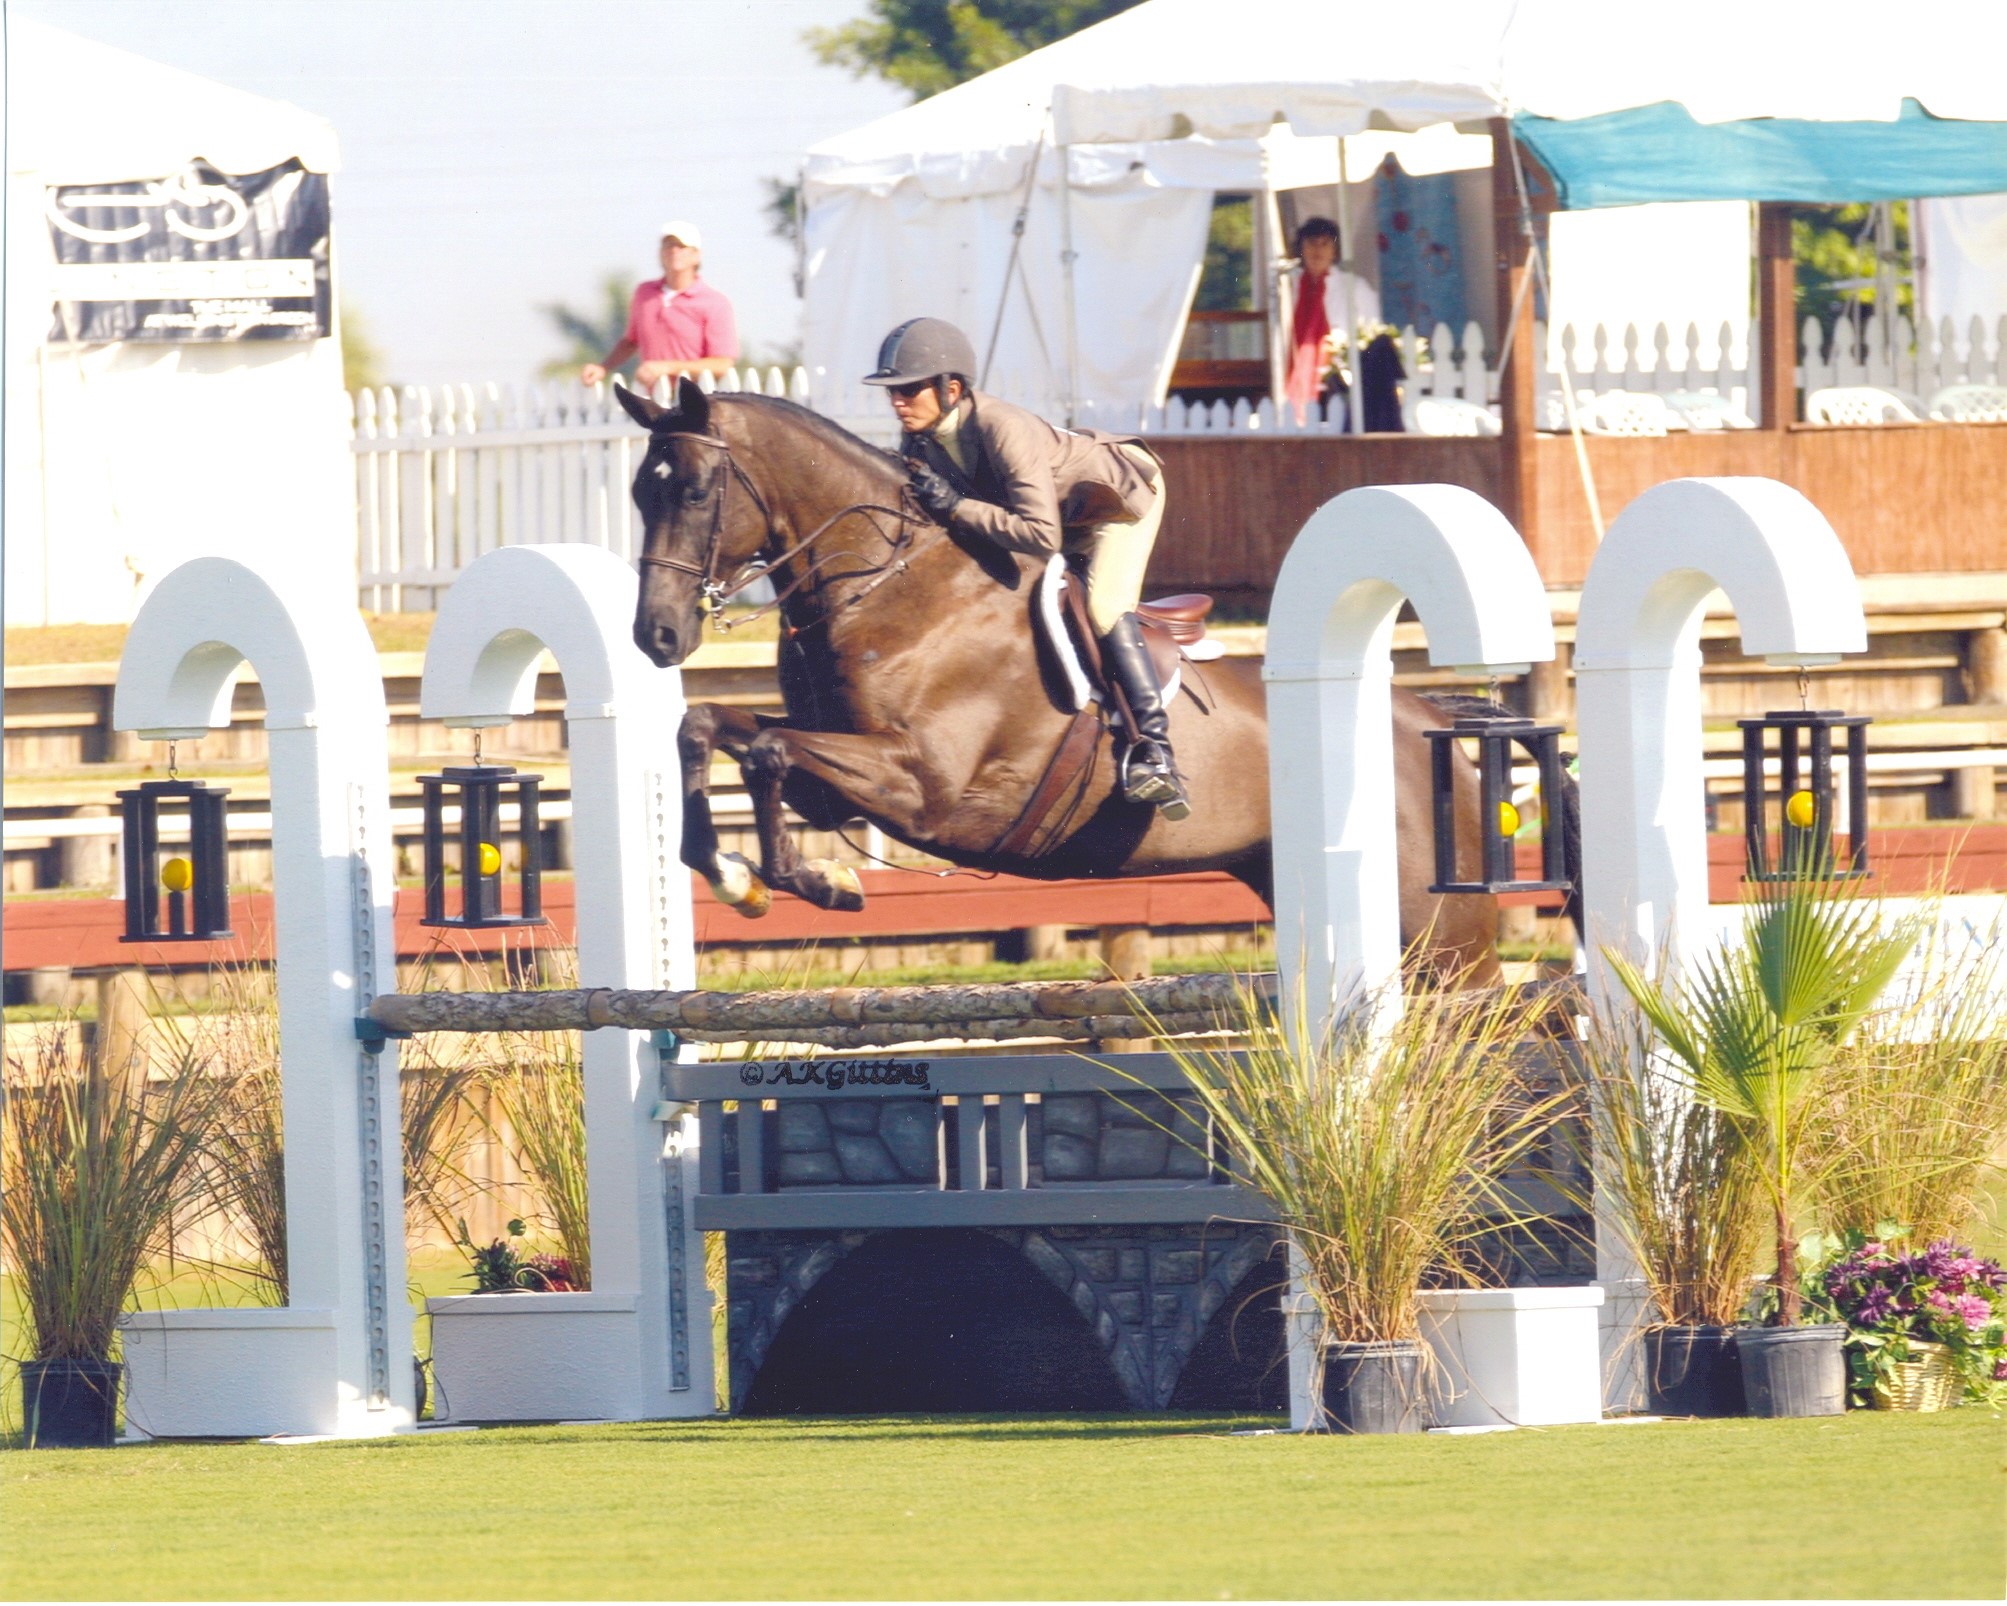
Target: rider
{"points": [[988, 468]]}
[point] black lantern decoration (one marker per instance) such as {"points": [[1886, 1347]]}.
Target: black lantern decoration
{"points": [[1805, 793], [197, 885], [478, 789], [1498, 817]]}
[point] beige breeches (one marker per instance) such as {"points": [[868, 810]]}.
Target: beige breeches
{"points": [[1117, 555]]}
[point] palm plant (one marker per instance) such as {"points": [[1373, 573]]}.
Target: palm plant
{"points": [[94, 1165], [1385, 1154], [1914, 1109], [1755, 1023]]}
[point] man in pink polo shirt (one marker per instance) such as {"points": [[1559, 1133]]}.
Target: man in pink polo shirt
{"points": [[678, 323]]}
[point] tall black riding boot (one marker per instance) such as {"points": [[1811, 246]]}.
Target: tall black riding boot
{"points": [[1149, 770]]}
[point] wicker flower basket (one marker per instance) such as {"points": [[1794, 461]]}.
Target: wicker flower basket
{"points": [[1926, 1381]]}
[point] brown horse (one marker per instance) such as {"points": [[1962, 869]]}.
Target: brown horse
{"points": [[919, 696]]}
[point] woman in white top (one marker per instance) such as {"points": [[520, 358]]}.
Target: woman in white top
{"points": [[1327, 299]]}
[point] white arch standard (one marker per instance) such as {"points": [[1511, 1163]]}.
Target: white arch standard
{"points": [[1637, 675], [1637, 679], [625, 1350], [1330, 676], [337, 1358]]}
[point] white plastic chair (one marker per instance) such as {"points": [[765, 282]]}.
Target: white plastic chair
{"points": [[1450, 415], [1705, 409], [1627, 412], [1970, 404], [1862, 404]]}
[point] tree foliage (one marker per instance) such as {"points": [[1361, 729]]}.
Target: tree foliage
{"points": [[1835, 250], [926, 46], [592, 332], [361, 362]]}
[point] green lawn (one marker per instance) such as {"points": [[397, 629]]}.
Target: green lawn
{"points": [[1861, 1506]]}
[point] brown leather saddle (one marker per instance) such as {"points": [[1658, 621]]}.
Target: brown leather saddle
{"points": [[1170, 624]]}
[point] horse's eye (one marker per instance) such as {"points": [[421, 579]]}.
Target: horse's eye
{"points": [[693, 493]]}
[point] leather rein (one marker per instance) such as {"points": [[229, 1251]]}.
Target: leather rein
{"points": [[719, 589]]}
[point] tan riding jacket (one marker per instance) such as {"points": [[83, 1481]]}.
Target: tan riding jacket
{"points": [[1028, 483]]}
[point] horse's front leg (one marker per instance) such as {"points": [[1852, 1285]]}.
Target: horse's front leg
{"points": [[872, 774], [707, 727]]}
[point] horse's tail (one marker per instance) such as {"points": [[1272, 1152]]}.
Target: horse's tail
{"points": [[1567, 807]]}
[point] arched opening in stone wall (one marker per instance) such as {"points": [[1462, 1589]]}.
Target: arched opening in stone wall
{"points": [[933, 1320], [1241, 1363]]}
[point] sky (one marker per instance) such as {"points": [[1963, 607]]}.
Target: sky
{"points": [[502, 154]]}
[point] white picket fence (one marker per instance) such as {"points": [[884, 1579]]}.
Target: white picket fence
{"points": [[446, 473]]}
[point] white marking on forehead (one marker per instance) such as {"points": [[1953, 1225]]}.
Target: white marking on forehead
{"points": [[662, 471]]}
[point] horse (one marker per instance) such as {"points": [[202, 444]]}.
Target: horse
{"points": [[920, 698]]}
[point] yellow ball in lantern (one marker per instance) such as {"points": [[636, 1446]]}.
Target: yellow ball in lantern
{"points": [[1801, 808], [1508, 818], [491, 858], [177, 875]]}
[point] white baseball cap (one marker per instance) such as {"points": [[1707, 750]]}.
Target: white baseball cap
{"points": [[684, 230]]}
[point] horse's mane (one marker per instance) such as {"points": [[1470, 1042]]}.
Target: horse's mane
{"points": [[844, 446]]}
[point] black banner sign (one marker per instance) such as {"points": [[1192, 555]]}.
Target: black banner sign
{"points": [[201, 255]]}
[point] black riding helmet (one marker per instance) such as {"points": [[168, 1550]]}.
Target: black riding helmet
{"points": [[924, 348]]}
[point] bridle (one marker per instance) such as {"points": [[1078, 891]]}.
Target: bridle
{"points": [[719, 589]]}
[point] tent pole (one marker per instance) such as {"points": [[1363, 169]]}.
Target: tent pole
{"points": [[1355, 397], [1066, 259], [1277, 286], [1517, 445], [1776, 281], [1011, 267]]}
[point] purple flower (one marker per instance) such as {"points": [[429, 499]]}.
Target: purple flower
{"points": [[1873, 1305]]}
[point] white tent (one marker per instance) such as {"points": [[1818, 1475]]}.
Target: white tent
{"points": [[123, 458], [1160, 107]]}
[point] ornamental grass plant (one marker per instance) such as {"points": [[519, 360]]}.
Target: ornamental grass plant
{"points": [[1755, 1024], [533, 1105], [244, 1154], [439, 1119], [1386, 1153], [1677, 1181], [536, 1085], [1910, 1122], [95, 1165]]}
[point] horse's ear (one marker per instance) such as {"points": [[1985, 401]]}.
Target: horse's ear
{"points": [[638, 407], [693, 407]]}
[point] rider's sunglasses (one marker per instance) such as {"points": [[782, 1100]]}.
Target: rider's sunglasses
{"points": [[908, 392]]}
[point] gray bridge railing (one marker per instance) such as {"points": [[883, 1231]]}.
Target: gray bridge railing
{"points": [[955, 1141]]}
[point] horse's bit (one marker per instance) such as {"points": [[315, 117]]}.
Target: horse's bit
{"points": [[717, 589]]}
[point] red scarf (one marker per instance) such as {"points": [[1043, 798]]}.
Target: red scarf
{"points": [[1312, 325]]}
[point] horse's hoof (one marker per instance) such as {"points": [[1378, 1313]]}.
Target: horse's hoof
{"points": [[739, 886], [845, 891]]}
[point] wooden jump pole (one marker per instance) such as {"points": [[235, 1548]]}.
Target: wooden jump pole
{"points": [[842, 1017]]}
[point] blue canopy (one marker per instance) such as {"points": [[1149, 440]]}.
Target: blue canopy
{"points": [[1659, 153]]}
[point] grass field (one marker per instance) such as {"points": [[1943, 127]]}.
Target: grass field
{"points": [[1868, 1505]]}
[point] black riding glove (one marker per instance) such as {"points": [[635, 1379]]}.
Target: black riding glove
{"points": [[932, 491]]}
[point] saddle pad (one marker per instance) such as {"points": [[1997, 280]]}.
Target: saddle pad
{"points": [[1080, 685]]}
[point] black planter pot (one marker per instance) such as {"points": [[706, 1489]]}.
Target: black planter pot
{"points": [[1694, 1371], [1794, 1371], [69, 1405], [1374, 1388]]}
